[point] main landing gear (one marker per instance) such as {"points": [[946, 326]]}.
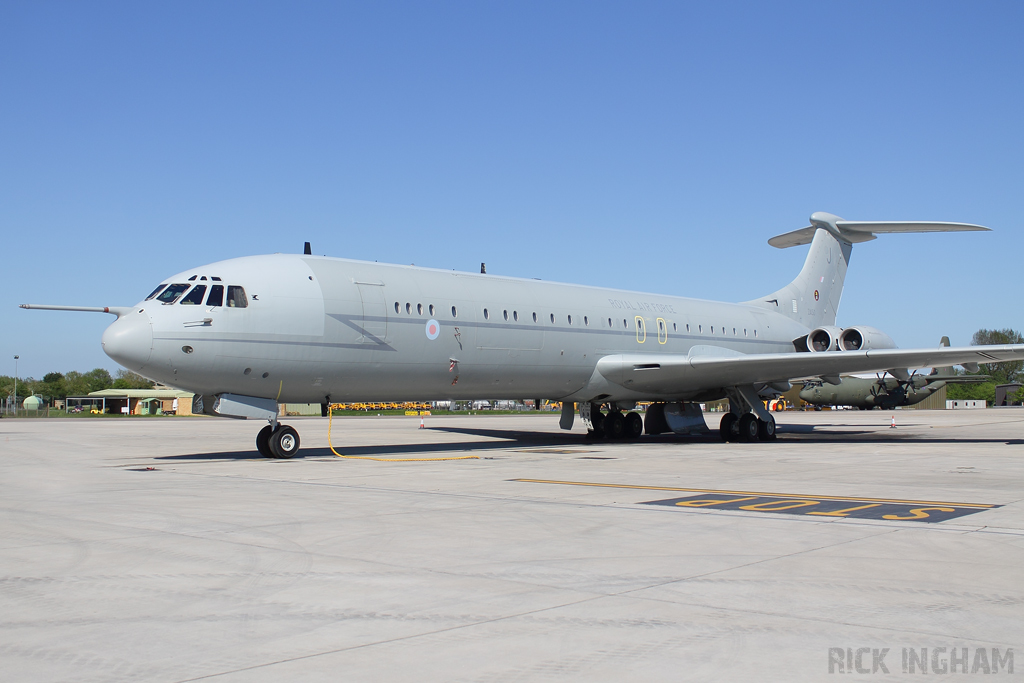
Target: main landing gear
{"points": [[615, 425], [747, 427], [277, 441]]}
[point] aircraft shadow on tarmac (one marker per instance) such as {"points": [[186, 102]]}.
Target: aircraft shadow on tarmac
{"points": [[505, 439]]}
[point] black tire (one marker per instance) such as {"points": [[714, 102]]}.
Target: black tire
{"points": [[748, 427], [284, 442], [614, 425], [766, 429], [634, 425], [263, 442], [727, 427]]}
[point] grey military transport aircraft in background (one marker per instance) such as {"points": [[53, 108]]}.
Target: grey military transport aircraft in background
{"points": [[246, 333], [883, 390]]}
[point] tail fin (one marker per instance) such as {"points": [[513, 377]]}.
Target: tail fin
{"points": [[812, 299], [948, 370]]}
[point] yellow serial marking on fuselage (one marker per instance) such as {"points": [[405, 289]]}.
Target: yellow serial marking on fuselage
{"points": [[980, 506]]}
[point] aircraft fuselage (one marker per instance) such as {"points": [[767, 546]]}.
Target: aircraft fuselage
{"points": [[317, 327]]}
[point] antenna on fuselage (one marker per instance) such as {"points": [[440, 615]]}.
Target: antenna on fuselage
{"points": [[307, 250], [483, 268]]}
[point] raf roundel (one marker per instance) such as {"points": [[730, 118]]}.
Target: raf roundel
{"points": [[433, 329]]}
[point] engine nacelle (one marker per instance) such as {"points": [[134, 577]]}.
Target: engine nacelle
{"points": [[824, 338], [862, 338]]}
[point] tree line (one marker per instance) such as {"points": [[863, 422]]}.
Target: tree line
{"points": [[1001, 373], [56, 385]]}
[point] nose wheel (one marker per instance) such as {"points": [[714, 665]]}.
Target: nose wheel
{"points": [[279, 442]]}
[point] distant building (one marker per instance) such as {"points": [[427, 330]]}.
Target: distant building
{"points": [[133, 402], [1005, 393], [966, 404]]}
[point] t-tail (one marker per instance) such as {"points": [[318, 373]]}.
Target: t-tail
{"points": [[812, 299]]}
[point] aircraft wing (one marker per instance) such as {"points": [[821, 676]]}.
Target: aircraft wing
{"points": [[671, 373], [957, 379]]}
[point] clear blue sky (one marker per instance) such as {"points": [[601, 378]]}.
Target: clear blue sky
{"points": [[647, 146]]}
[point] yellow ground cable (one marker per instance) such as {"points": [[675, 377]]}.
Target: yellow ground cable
{"points": [[330, 422]]}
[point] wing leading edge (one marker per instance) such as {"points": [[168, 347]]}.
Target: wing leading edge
{"points": [[672, 373]]}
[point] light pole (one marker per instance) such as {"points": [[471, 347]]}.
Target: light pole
{"points": [[16, 384]]}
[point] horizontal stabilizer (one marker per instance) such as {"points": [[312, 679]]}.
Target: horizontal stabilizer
{"points": [[864, 231]]}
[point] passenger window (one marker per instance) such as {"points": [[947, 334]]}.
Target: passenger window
{"points": [[419, 309], [155, 292], [586, 320], [505, 314], [609, 322], [570, 319], [236, 297], [552, 317], [397, 307], [455, 313], [408, 308], [515, 316], [195, 297], [486, 314], [216, 296], [624, 325], [535, 317], [171, 294]]}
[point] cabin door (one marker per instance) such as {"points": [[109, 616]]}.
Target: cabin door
{"points": [[375, 313]]}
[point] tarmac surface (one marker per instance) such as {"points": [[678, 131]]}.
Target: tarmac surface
{"points": [[168, 550]]}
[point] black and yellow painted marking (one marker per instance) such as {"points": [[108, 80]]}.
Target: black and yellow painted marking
{"points": [[823, 507]]}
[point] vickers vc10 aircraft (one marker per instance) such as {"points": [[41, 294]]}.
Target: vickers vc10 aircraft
{"points": [[247, 333]]}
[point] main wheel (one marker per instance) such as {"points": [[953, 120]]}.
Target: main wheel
{"points": [[263, 442], [748, 427], [766, 429], [614, 425], [728, 424], [634, 425], [597, 419], [284, 442]]}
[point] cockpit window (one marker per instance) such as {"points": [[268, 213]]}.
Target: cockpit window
{"points": [[195, 297], [236, 297], [155, 292], [171, 294], [216, 296]]}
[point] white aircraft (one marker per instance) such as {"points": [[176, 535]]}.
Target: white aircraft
{"points": [[247, 333]]}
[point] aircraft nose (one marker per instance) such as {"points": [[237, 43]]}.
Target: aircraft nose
{"points": [[129, 340]]}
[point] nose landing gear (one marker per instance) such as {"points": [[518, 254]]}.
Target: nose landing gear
{"points": [[277, 441]]}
